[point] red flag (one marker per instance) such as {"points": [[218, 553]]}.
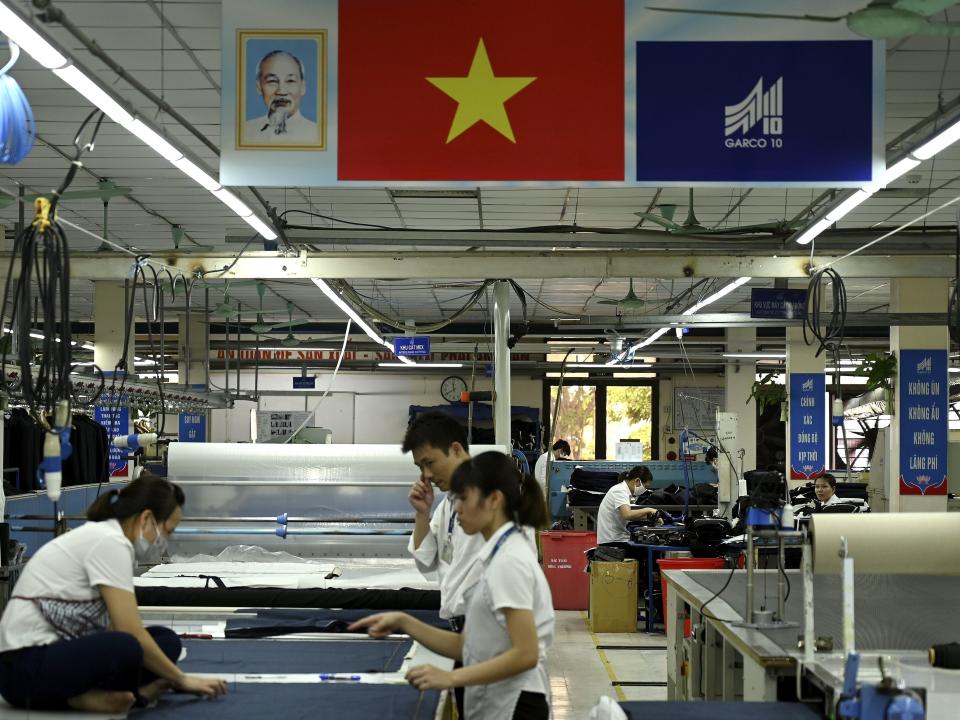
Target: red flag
{"points": [[498, 90]]}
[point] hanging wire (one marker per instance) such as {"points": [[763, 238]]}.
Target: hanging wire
{"points": [[17, 127]]}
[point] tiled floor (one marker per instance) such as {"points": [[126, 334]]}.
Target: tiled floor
{"points": [[580, 673]]}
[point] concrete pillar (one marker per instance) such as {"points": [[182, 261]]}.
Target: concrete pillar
{"points": [[501, 363], [740, 376], [913, 295], [802, 358], [109, 316], [193, 340]]}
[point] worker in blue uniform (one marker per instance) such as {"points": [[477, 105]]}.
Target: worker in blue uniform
{"points": [[71, 635]]}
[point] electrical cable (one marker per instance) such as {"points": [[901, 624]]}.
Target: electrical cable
{"points": [[18, 131], [786, 577], [953, 310], [717, 594], [830, 338]]}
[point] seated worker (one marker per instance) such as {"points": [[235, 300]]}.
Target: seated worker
{"points": [[71, 635], [510, 618], [616, 511], [825, 487], [711, 457]]}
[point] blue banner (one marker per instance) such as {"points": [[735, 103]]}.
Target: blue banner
{"points": [[415, 346], [808, 425], [787, 112], [776, 304], [115, 418], [305, 383], [922, 408], [193, 427]]}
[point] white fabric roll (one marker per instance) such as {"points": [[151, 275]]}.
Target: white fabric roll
{"points": [[888, 543]]}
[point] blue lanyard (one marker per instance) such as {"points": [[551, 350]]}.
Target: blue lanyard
{"points": [[500, 542], [453, 518]]}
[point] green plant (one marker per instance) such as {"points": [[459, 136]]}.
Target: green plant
{"points": [[766, 392], [879, 368]]}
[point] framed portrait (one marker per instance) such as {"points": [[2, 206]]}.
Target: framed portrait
{"points": [[281, 90]]}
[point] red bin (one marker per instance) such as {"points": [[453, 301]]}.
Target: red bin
{"points": [[683, 564], [564, 564]]}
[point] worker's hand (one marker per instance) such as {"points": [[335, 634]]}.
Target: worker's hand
{"points": [[427, 677], [206, 687], [421, 496], [380, 625]]}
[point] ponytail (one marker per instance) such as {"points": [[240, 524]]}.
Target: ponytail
{"points": [[147, 492], [492, 471], [533, 505]]}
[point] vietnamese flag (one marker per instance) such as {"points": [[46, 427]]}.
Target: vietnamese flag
{"points": [[472, 90]]}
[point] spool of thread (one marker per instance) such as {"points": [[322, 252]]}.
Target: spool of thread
{"points": [[946, 655], [4, 544]]}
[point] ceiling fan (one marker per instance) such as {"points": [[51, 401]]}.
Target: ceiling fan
{"points": [[691, 225], [881, 19], [630, 302]]}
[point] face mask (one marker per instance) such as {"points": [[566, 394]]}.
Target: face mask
{"points": [[147, 552]]}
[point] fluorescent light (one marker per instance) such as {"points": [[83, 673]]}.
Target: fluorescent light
{"points": [[28, 39], [944, 139], [351, 313], [233, 202], [572, 342], [604, 365], [154, 139], [847, 205], [757, 355], [722, 292], [811, 232], [197, 174], [567, 375], [87, 346], [897, 169], [419, 365], [634, 375], [266, 232], [73, 77]]}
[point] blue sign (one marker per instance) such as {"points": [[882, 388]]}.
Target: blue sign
{"points": [[193, 427], [922, 409], [794, 112], [305, 382], [808, 425], [778, 304], [115, 418], [415, 346]]}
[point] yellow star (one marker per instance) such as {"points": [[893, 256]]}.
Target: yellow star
{"points": [[481, 96]]}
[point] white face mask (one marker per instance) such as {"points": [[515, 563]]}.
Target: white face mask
{"points": [[147, 552]]}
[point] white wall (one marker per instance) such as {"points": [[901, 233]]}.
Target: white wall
{"points": [[362, 408]]}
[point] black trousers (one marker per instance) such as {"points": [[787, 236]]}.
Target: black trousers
{"points": [[456, 624], [531, 706], [44, 677]]}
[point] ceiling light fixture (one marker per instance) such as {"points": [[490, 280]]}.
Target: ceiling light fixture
{"points": [[419, 365], [927, 150], [41, 49], [757, 355]]}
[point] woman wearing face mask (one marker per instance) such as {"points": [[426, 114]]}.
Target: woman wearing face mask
{"points": [[71, 635], [509, 613]]}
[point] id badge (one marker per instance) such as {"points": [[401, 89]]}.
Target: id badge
{"points": [[447, 554]]}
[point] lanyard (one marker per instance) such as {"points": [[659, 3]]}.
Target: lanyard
{"points": [[453, 518], [500, 542]]}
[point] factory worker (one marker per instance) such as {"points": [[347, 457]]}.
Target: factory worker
{"points": [[510, 619], [560, 451], [71, 635], [825, 487], [711, 457], [616, 509]]}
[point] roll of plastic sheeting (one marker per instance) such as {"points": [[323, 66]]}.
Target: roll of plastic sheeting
{"points": [[310, 463], [888, 543]]}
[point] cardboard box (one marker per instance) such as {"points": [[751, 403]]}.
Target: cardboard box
{"points": [[613, 596]]}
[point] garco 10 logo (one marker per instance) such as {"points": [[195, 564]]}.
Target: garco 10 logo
{"points": [[925, 366], [807, 385], [757, 107]]}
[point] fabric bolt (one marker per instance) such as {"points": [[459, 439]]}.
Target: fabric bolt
{"points": [[286, 622], [44, 677], [377, 599], [57, 596], [269, 657], [303, 702]]}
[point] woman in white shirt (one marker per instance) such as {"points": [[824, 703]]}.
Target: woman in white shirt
{"points": [[509, 620], [616, 509], [71, 635], [825, 487]]}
